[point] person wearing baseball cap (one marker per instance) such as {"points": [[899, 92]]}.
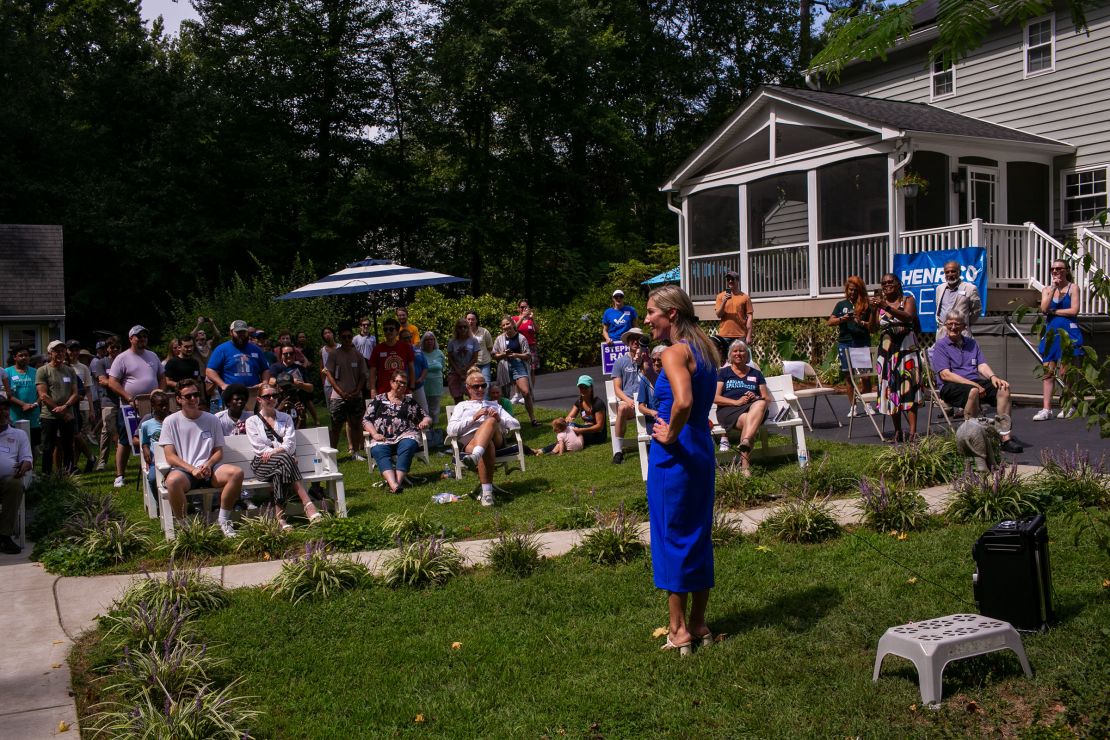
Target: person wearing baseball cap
{"points": [[57, 388], [617, 319], [626, 383], [734, 309], [84, 417], [237, 360], [135, 372]]}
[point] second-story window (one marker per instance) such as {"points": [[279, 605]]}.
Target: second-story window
{"points": [[1040, 46], [944, 79]]}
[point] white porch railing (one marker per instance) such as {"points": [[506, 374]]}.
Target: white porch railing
{"points": [[1097, 246], [779, 271], [707, 274], [1017, 255], [866, 256]]}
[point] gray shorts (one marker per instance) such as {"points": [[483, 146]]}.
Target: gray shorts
{"points": [[342, 410]]}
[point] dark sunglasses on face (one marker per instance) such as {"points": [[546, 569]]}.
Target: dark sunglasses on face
{"points": [[188, 396], [268, 395], [479, 386]]}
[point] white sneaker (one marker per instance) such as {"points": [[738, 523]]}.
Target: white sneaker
{"points": [[471, 462], [723, 447], [118, 482], [228, 528], [1045, 415], [357, 457], [517, 399], [868, 410], [486, 498], [1065, 414]]}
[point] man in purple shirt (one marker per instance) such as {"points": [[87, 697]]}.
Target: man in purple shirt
{"points": [[135, 372], [966, 379]]}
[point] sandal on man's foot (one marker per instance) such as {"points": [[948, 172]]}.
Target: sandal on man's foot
{"points": [[745, 444]]}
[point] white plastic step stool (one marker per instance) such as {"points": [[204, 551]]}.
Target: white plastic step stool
{"points": [[933, 644]]}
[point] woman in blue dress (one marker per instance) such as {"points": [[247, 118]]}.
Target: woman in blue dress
{"points": [[1060, 305], [681, 467]]}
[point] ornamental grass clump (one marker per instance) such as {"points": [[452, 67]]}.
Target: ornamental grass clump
{"points": [[194, 590], [205, 712], [55, 498], [318, 573], [803, 519], [195, 538], [423, 562], [993, 495], [263, 536], [514, 553], [175, 665], [1074, 477], [735, 490], [408, 527], [114, 540], [726, 528], [614, 540], [927, 461], [148, 626], [886, 507]]}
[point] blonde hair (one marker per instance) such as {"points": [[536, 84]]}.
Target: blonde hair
{"points": [[559, 424], [474, 372], [685, 322]]}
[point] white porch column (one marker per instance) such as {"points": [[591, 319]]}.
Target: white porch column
{"points": [[812, 211], [977, 233], [745, 264], [893, 210]]}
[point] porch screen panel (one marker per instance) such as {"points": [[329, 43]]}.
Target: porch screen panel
{"points": [[714, 221], [1027, 196], [778, 211], [853, 198], [929, 210]]}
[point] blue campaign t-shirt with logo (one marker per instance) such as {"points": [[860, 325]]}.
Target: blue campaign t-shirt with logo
{"points": [[235, 365], [617, 322], [735, 386]]}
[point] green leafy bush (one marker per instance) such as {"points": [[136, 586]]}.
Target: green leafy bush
{"points": [[194, 590], [195, 538], [1074, 477], [205, 712], [805, 520], [432, 311], [638, 505], [888, 507], [422, 562], [148, 625], [929, 461], [993, 495], [317, 574], [615, 540], [54, 499], [263, 535], [352, 535], [515, 553], [64, 558]]}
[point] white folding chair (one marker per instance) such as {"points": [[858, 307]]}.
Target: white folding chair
{"points": [[619, 444], [805, 372], [502, 460], [861, 365], [933, 394]]}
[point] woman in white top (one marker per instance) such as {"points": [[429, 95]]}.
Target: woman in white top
{"points": [[274, 441], [479, 425]]}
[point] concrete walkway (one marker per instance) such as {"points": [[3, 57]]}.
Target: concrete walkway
{"points": [[46, 613]]}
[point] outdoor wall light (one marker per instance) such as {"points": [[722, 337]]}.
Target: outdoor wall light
{"points": [[959, 183]]}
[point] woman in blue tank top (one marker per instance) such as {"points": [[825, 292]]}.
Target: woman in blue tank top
{"points": [[1060, 305], [682, 468]]}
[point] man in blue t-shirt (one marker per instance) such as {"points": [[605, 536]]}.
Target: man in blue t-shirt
{"points": [[618, 319], [237, 360]]}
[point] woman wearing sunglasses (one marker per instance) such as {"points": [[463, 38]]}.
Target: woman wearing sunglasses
{"points": [[394, 421], [1060, 305], [480, 427], [274, 441]]}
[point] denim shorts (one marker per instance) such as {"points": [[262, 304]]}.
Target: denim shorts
{"points": [[518, 369]]}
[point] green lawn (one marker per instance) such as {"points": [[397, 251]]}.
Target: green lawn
{"points": [[569, 650], [553, 493]]}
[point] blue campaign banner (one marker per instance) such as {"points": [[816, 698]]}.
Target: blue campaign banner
{"points": [[609, 355], [131, 423], [921, 273]]}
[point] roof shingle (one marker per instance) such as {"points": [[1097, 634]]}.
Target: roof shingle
{"points": [[32, 281]]}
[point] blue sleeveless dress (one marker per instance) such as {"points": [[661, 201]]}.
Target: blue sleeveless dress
{"points": [[1058, 324], [680, 490]]}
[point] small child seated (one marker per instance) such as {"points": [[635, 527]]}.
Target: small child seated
{"points": [[567, 440]]}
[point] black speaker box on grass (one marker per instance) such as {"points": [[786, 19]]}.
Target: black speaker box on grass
{"points": [[1012, 581]]}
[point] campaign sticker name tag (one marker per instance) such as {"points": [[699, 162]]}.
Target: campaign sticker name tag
{"points": [[67, 379], [750, 378], [5, 448], [206, 435], [254, 355], [354, 364]]}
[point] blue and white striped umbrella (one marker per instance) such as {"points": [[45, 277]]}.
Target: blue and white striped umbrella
{"points": [[370, 275]]}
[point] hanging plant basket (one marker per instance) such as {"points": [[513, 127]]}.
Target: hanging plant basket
{"points": [[911, 184]]}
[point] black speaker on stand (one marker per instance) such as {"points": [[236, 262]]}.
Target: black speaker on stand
{"points": [[1012, 580]]}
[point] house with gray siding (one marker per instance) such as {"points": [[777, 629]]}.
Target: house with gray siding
{"points": [[800, 188], [32, 287]]}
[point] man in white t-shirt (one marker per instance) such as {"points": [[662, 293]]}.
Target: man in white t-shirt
{"points": [[194, 447], [15, 463], [364, 341], [134, 372]]}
